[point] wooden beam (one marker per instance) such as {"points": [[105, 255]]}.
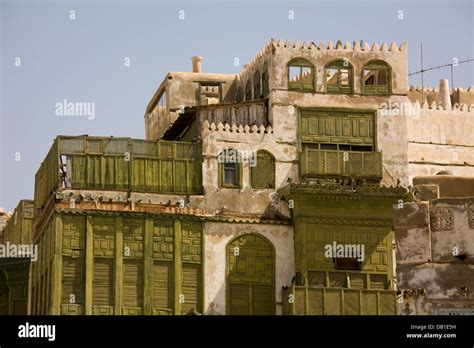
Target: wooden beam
{"points": [[177, 267], [57, 266], [118, 266], [89, 266], [148, 268]]}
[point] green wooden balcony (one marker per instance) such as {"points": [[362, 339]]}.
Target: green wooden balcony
{"points": [[101, 163], [313, 300], [317, 163]]}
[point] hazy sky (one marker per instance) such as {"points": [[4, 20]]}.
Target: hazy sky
{"points": [[82, 59]]}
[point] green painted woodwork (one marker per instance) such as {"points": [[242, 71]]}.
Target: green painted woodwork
{"points": [[324, 214], [238, 170], [262, 176], [358, 164], [119, 164], [374, 70], [129, 264], [345, 130], [14, 272], [337, 126], [305, 80], [250, 276], [18, 228], [340, 67], [312, 300]]}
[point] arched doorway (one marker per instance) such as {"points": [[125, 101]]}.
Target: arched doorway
{"points": [[250, 276]]}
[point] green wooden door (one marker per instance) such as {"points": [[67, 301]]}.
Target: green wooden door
{"points": [[251, 276]]}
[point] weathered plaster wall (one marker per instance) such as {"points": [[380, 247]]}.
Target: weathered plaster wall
{"points": [[245, 200], [435, 254], [439, 140], [216, 238], [356, 55], [182, 90]]}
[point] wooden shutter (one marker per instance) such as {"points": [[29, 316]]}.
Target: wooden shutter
{"points": [[317, 278], [191, 283], [239, 299], [162, 285], [263, 174], [73, 281], [378, 281], [103, 280], [133, 283], [358, 281], [260, 303]]}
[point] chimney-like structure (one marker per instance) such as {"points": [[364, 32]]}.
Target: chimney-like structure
{"points": [[444, 95], [197, 68]]}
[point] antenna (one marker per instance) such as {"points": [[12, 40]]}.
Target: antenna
{"points": [[423, 70]]}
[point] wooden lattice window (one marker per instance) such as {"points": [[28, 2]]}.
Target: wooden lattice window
{"points": [[442, 219], [300, 75], [376, 78], [256, 85], [338, 77], [230, 169], [248, 91], [262, 174], [240, 95]]}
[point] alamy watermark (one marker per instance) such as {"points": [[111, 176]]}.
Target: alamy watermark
{"points": [[400, 109], [79, 109], [335, 250], [19, 251], [238, 156]]}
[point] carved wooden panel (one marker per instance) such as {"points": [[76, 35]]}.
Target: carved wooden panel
{"points": [[103, 229], [74, 229], [191, 240], [163, 237], [133, 229]]}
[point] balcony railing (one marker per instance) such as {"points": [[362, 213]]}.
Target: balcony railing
{"points": [[119, 164], [315, 163], [246, 113], [313, 300]]}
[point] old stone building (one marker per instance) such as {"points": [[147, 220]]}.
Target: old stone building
{"points": [[15, 260], [246, 188], [435, 246]]}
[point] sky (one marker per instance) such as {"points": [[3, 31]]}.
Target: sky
{"points": [[115, 54]]}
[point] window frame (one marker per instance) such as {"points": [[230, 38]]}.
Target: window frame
{"points": [[377, 65], [269, 155], [300, 86], [238, 172], [248, 90], [339, 65]]}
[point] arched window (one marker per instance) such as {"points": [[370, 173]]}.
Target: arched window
{"points": [[262, 171], [300, 75], [250, 276], [240, 95], [338, 76], [248, 91], [376, 78], [256, 85], [230, 169], [265, 90]]}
